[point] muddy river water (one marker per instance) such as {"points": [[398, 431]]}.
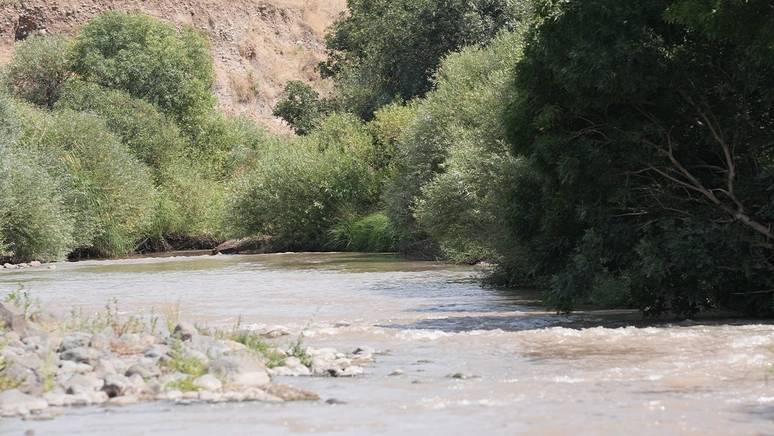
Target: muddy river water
{"points": [[519, 369]]}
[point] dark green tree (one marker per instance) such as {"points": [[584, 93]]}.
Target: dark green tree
{"points": [[387, 50], [300, 106], [648, 133]]}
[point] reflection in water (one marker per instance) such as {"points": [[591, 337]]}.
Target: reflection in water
{"points": [[523, 370]]}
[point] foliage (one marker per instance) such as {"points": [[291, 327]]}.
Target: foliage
{"points": [[150, 60], [180, 362], [150, 136], [388, 49], [254, 342], [300, 106], [453, 152], [34, 224], [372, 233], [648, 142], [38, 69], [298, 190], [106, 190]]}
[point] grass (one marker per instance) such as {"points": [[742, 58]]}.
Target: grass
{"points": [[299, 351], [254, 342], [22, 299], [179, 362], [184, 385], [109, 318]]}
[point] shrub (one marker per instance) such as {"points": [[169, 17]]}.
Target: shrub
{"points": [[105, 189], [150, 60], [372, 233], [38, 69], [150, 136], [34, 224], [453, 154], [297, 192], [387, 129]]}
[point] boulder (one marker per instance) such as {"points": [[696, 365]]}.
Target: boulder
{"points": [[184, 331], [83, 384], [116, 385], [243, 370], [208, 382], [14, 402], [13, 318], [85, 355]]}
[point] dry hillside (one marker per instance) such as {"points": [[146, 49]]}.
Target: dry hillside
{"points": [[258, 45]]}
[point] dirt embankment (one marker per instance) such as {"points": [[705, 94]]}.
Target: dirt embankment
{"points": [[258, 45]]}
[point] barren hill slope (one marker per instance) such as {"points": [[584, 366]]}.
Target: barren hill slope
{"points": [[258, 45]]}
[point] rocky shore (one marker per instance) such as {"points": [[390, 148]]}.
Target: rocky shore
{"points": [[47, 364]]}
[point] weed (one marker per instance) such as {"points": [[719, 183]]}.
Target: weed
{"points": [[184, 385]]}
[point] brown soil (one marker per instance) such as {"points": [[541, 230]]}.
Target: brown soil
{"points": [[258, 45]]}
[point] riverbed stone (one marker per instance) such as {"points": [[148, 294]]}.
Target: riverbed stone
{"points": [[208, 382], [35, 263], [15, 402], [83, 384], [240, 370], [144, 371], [184, 331], [291, 393], [116, 385], [75, 340], [85, 355], [13, 318]]}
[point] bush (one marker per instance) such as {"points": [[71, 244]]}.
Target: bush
{"points": [[105, 189], [453, 154], [38, 69], [387, 129], [297, 192], [372, 233], [150, 136], [150, 60], [34, 224]]}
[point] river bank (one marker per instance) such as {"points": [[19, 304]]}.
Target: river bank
{"points": [[456, 358]]}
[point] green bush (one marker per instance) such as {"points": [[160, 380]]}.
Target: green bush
{"points": [[34, 224], [105, 189], [453, 153], [150, 136], [38, 69], [150, 60], [372, 233], [297, 192]]}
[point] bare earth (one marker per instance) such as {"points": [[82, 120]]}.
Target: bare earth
{"points": [[258, 45]]}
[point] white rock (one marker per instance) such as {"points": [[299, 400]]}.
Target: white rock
{"points": [[14, 402], [208, 382]]}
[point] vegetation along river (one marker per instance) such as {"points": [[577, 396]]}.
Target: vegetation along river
{"points": [[455, 358]]}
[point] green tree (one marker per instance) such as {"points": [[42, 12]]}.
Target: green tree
{"points": [[646, 129], [150, 60], [300, 106], [388, 50], [39, 67]]}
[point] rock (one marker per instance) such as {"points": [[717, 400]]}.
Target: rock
{"points": [[184, 331], [256, 244], [23, 265], [124, 400], [157, 352], [144, 371], [208, 382], [293, 368], [334, 402], [99, 341], [241, 370], [116, 385], [56, 398], [35, 264], [85, 355], [75, 340], [70, 367], [396, 373], [291, 393], [14, 402], [9, 266], [13, 318], [83, 384], [52, 267]]}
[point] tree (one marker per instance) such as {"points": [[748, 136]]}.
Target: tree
{"points": [[300, 106], [388, 50], [647, 133], [150, 60]]}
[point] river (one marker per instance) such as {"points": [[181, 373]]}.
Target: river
{"points": [[457, 358]]}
